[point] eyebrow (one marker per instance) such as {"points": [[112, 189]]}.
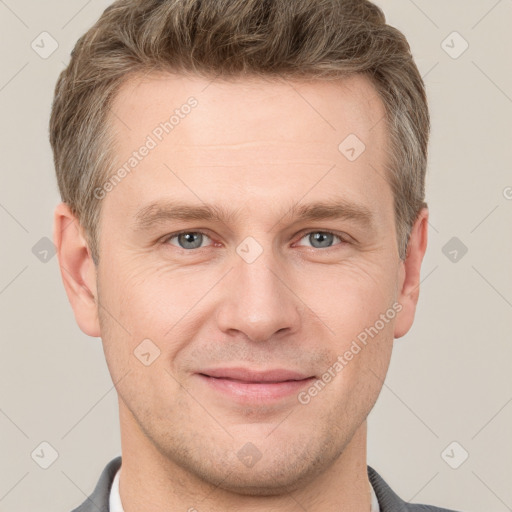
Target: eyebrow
{"points": [[160, 212]]}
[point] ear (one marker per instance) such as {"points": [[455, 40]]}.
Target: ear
{"points": [[409, 274], [77, 269]]}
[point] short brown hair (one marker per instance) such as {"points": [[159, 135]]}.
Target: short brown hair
{"points": [[290, 39]]}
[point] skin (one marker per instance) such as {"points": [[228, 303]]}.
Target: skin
{"points": [[255, 148]]}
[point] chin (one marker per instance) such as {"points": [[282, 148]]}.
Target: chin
{"points": [[265, 481], [283, 468]]}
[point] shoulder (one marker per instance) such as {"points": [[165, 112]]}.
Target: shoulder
{"points": [[98, 501], [389, 501]]}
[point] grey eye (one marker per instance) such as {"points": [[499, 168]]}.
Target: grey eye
{"points": [[190, 240], [321, 239]]}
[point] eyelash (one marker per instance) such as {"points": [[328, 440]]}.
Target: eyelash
{"points": [[343, 238]]}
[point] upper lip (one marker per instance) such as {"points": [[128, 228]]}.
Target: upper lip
{"points": [[247, 375]]}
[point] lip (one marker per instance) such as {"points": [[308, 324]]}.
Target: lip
{"points": [[248, 386], [254, 376]]}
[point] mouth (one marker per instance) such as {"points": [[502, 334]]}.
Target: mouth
{"points": [[248, 386]]}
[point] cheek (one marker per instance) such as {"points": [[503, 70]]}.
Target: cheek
{"points": [[166, 304], [349, 387], [147, 296], [161, 305], [163, 295], [352, 296], [357, 304], [355, 375]]}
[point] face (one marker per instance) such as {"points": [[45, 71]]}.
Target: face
{"points": [[249, 280]]}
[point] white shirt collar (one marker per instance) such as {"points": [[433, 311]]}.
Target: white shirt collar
{"points": [[115, 504]]}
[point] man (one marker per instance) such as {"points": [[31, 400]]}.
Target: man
{"points": [[243, 224]]}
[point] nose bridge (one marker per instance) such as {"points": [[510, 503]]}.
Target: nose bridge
{"points": [[258, 301], [259, 282]]}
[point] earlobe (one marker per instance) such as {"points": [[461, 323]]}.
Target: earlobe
{"points": [[409, 278], [77, 269]]}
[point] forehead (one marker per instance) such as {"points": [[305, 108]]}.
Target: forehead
{"points": [[246, 139], [329, 107]]}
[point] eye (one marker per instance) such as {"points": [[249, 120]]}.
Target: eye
{"points": [[190, 240], [187, 239], [322, 239]]}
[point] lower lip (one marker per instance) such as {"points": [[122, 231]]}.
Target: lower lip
{"points": [[255, 392]]}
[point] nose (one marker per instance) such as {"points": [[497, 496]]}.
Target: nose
{"points": [[259, 300]]}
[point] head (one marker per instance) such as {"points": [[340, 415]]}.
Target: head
{"points": [[247, 181]]}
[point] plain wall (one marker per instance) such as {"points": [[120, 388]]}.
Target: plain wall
{"points": [[450, 376]]}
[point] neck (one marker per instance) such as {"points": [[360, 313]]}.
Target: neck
{"points": [[150, 481]]}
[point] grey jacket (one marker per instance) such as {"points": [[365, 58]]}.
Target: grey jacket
{"points": [[388, 500]]}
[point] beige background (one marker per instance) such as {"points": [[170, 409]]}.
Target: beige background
{"points": [[450, 377]]}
